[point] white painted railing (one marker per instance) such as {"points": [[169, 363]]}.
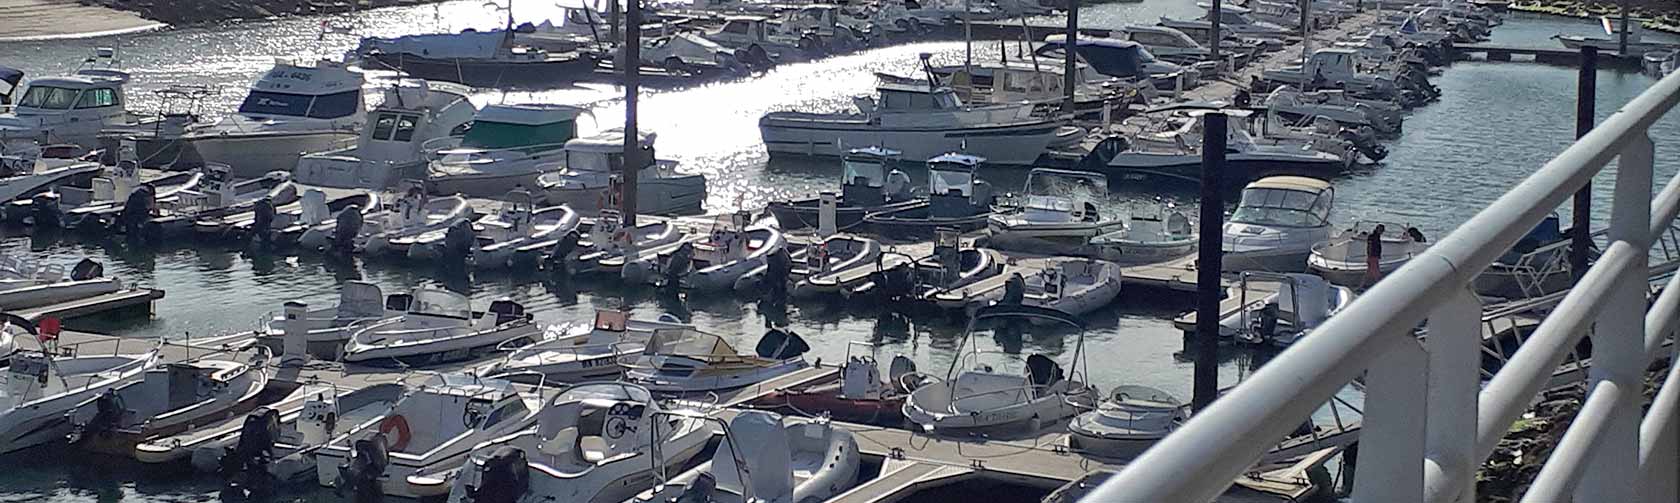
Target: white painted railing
{"points": [[1429, 423]]}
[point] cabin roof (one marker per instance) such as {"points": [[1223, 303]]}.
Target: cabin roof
{"points": [[1301, 183], [531, 114], [957, 158], [1093, 41]]}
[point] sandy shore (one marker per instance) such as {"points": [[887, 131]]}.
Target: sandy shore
{"points": [[46, 19]]}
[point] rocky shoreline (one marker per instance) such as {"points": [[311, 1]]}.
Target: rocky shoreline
{"points": [[179, 12], [1661, 15]]}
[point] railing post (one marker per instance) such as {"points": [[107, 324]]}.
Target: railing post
{"points": [[1618, 335], [1586, 96], [1393, 430], [1455, 364]]}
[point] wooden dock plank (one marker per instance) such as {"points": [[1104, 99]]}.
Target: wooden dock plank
{"points": [[97, 304], [901, 482]]}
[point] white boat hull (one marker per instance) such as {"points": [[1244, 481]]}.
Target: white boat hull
{"points": [[655, 197], [254, 155]]}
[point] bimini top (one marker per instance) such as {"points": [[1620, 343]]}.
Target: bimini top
{"points": [[610, 141], [969, 161], [1301, 183], [314, 79], [532, 114], [1092, 41]]}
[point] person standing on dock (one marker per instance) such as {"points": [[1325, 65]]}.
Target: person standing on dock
{"points": [[1373, 255]]}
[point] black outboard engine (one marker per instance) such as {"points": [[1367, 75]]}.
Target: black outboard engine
{"points": [[560, 256], [262, 221], [244, 468], [458, 242], [1365, 145], [108, 410], [347, 225], [678, 264], [44, 207], [136, 212], [1265, 325], [507, 311], [504, 477], [781, 344], [699, 491], [1014, 290], [87, 269], [1043, 371], [360, 474], [777, 268]]}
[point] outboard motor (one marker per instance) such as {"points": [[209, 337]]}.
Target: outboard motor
{"points": [[700, 490], [678, 264], [1365, 145], [244, 468], [44, 207], [777, 268], [1043, 371], [504, 478], [87, 269], [137, 210], [108, 410], [262, 222], [508, 311], [458, 242], [781, 344], [360, 474], [349, 224], [1014, 290], [1266, 322], [561, 254]]}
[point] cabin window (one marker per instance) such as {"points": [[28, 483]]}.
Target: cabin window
{"points": [[1152, 39], [272, 103], [737, 28], [97, 98], [513, 409], [1282, 207], [55, 98], [946, 182], [333, 106], [383, 125], [405, 127]]}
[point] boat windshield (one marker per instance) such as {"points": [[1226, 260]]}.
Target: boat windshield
{"points": [[593, 161], [441, 303], [1282, 207], [945, 181], [329, 106], [52, 98], [1142, 55], [687, 342], [605, 390], [865, 171]]}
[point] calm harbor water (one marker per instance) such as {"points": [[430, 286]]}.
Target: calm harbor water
{"points": [[1495, 123]]}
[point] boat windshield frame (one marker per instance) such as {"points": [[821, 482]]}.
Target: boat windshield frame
{"points": [[873, 169], [1266, 206], [50, 93], [434, 302], [941, 181]]}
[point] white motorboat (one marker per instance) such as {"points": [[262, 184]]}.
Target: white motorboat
{"points": [[686, 360], [1057, 210], [866, 186], [974, 396], [310, 208], [953, 277], [1148, 238], [1131, 420], [1075, 286], [219, 196], [613, 246], [1537, 265], [985, 82], [501, 237], [921, 123], [598, 442], [326, 329], [593, 171], [1637, 44], [1277, 223], [766, 457], [838, 263], [23, 173], [413, 214], [1279, 309], [100, 203], [577, 352], [1120, 59], [40, 390], [1343, 260], [957, 200], [726, 260], [1232, 18], [170, 399], [488, 59], [390, 149], [275, 444], [438, 326], [434, 426], [25, 284], [1334, 104], [295, 107], [69, 114], [506, 148], [1172, 147]]}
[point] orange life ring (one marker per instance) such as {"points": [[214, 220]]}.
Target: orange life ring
{"points": [[400, 425]]}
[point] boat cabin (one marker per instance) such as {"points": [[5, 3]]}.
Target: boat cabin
{"points": [[1059, 195], [909, 96], [741, 30], [526, 127], [1109, 56], [70, 109], [1163, 41], [863, 179], [393, 144], [952, 187], [321, 90], [1286, 201], [604, 152]]}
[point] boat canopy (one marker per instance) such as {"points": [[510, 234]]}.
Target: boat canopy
{"points": [[1287, 201], [688, 342], [440, 303], [605, 391], [488, 134]]}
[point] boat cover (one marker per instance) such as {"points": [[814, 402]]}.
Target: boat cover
{"points": [[9, 78]]}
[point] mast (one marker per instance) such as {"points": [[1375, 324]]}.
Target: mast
{"points": [[632, 64]]}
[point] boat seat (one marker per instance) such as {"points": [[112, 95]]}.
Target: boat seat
{"points": [[594, 449], [563, 441]]}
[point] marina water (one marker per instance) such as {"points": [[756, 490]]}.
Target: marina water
{"points": [[1495, 123]]}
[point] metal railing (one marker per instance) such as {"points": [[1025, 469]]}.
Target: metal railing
{"points": [[1429, 421]]}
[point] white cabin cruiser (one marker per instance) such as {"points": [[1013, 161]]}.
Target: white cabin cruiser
{"points": [[687, 360], [434, 426], [68, 114], [40, 390], [1277, 223], [169, 399], [506, 147], [593, 170], [390, 149], [1056, 208], [1148, 238], [1132, 419], [579, 352], [438, 326], [1344, 260], [598, 442], [976, 396], [296, 107], [768, 458], [277, 443], [921, 123], [1279, 309]]}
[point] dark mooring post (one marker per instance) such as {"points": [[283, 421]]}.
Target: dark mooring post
{"points": [[1068, 74], [1208, 263], [1622, 38], [1214, 37], [1581, 225], [633, 161]]}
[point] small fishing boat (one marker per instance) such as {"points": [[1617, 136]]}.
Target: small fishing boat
{"points": [[433, 426], [296, 107], [42, 388], [956, 200], [476, 58], [1343, 260], [1169, 144], [1537, 265], [595, 442], [839, 263], [614, 246], [1148, 238], [948, 278], [170, 399], [861, 395], [276, 444], [314, 210], [593, 174], [1279, 309], [437, 326], [687, 360], [727, 260], [219, 196], [506, 148], [576, 352], [414, 214], [766, 457], [1131, 420], [977, 397], [98, 205], [24, 284], [23, 176], [311, 208], [499, 238], [360, 304], [1277, 223], [1057, 210], [866, 186], [1075, 286]]}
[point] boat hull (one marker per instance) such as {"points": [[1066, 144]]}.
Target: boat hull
{"points": [[256, 154], [1019, 144], [481, 184], [484, 73], [652, 197]]}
